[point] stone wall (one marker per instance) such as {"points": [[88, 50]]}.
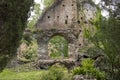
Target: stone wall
{"points": [[60, 15], [66, 18], [45, 35]]}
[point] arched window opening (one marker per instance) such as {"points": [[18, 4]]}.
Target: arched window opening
{"points": [[58, 47]]}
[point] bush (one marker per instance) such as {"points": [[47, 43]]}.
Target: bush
{"points": [[89, 69], [29, 53], [31, 50], [56, 73]]}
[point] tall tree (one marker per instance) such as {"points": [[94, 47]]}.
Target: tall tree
{"points": [[13, 17]]}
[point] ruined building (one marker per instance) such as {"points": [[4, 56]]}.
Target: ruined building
{"points": [[64, 18]]}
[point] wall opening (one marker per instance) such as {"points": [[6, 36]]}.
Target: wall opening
{"points": [[66, 16], [85, 22], [63, 5], [78, 21], [48, 17], [66, 22], [58, 47], [57, 16], [80, 30], [81, 18]]}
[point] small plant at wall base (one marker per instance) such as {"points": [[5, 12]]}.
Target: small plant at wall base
{"points": [[88, 68]]}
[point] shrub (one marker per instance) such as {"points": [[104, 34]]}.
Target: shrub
{"points": [[89, 69], [30, 51], [56, 73]]}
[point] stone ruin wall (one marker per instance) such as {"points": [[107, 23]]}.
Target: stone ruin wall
{"points": [[65, 18], [52, 23], [59, 16]]}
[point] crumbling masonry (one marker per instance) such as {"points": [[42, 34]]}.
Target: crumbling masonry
{"points": [[63, 18]]}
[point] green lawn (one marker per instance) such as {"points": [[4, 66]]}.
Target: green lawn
{"points": [[25, 72], [10, 75]]}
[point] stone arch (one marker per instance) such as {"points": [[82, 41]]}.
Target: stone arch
{"points": [[58, 34], [45, 35], [55, 51]]}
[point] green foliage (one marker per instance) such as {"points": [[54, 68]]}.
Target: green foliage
{"points": [[91, 50], [28, 67], [56, 73], [30, 53], [13, 15], [31, 50], [48, 3], [34, 17], [107, 39], [58, 47], [89, 69]]}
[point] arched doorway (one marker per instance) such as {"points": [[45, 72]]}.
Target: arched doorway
{"points": [[45, 36], [58, 47]]}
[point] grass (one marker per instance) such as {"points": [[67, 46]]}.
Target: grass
{"points": [[11, 75], [25, 72]]}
